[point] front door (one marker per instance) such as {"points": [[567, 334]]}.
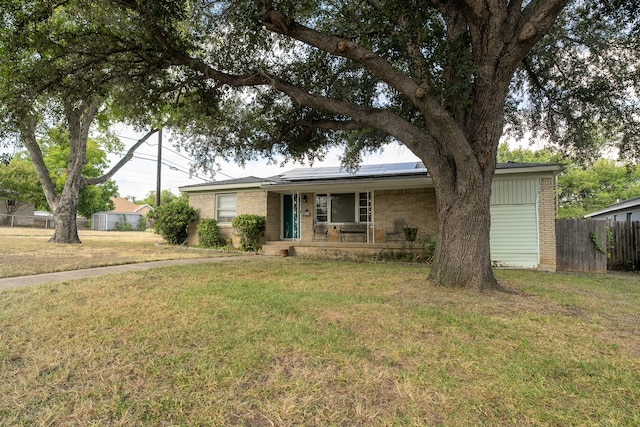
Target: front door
{"points": [[290, 217]]}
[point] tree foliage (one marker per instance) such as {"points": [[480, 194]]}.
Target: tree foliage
{"points": [[61, 66], [166, 196], [578, 89], [583, 190], [19, 185]]}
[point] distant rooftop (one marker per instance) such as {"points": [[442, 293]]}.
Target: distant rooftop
{"points": [[625, 204]]}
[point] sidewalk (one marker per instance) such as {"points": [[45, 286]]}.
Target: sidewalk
{"points": [[14, 282]]}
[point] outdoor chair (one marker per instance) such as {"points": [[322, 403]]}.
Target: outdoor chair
{"points": [[397, 234], [320, 232]]}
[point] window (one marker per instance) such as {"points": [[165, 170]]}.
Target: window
{"points": [[11, 202], [364, 207], [322, 214], [342, 207], [226, 207]]}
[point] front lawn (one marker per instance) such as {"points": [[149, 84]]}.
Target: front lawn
{"points": [[285, 341], [26, 251]]}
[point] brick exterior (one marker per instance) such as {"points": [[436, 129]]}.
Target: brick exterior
{"points": [[547, 224], [417, 207], [254, 202]]}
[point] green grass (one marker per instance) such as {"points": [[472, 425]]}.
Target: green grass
{"points": [[284, 341]]}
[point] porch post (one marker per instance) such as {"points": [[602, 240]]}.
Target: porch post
{"points": [[371, 220]]}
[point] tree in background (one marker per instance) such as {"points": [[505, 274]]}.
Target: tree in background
{"points": [[166, 196], [92, 198], [582, 190], [19, 185], [64, 66]]}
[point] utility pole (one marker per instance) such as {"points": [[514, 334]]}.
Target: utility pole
{"points": [[159, 169]]}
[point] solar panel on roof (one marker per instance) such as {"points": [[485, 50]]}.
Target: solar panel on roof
{"points": [[364, 171]]}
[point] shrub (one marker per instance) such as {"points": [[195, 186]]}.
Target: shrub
{"points": [[250, 228], [123, 224], [142, 224], [209, 234], [171, 220]]}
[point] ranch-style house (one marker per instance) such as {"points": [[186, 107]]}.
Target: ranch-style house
{"points": [[329, 211]]}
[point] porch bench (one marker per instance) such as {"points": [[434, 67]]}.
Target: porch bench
{"points": [[357, 230]]}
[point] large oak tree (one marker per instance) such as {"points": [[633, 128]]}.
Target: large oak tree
{"points": [[441, 77]]}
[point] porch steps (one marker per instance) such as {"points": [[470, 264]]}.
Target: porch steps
{"points": [[275, 248]]}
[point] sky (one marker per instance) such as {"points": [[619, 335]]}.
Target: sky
{"points": [[138, 177]]}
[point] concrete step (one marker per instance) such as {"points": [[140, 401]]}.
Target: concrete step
{"points": [[276, 249]]}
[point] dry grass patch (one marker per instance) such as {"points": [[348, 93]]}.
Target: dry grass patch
{"points": [[26, 251], [286, 341]]}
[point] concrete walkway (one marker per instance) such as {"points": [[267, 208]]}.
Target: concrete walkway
{"points": [[14, 282]]}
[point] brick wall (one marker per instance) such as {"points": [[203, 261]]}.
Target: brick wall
{"points": [[417, 207], [547, 224], [273, 216], [247, 202]]}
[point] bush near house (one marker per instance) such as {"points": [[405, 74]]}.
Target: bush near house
{"points": [[209, 233], [250, 228], [171, 220]]}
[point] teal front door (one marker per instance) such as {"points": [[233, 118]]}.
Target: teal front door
{"points": [[290, 217]]}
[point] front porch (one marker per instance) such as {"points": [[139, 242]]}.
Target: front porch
{"points": [[336, 250]]}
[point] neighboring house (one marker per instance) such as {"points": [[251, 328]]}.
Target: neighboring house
{"points": [[16, 213], [626, 210], [124, 211], [323, 211]]}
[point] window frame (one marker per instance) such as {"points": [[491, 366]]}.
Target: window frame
{"points": [[324, 207], [226, 219]]}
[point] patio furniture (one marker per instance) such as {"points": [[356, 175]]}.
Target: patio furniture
{"points": [[349, 231], [410, 233], [320, 232], [397, 234]]}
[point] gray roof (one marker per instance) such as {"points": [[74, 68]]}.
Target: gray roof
{"points": [[227, 182], [377, 171], [623, 205], [336, 173]]}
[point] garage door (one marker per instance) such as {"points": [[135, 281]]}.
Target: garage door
{"points": [[514, 235]]}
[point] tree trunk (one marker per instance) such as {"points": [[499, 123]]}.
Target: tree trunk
{"points": [[64, 215], [463, 256]]}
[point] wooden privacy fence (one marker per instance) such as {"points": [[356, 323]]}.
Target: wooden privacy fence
{"points": [[581, 245], [625, 246], [595, 246]]}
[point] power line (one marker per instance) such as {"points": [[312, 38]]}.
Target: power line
{"points": [[174, 152], [173, 166]]}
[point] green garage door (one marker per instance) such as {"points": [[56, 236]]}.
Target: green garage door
{"points": [[514, 235]]}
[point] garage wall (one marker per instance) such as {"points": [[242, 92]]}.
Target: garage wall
{"points": [[515, 234]]}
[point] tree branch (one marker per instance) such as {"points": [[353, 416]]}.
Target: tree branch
{"points": [[121, 163], [441, 126], [28, 138]]}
